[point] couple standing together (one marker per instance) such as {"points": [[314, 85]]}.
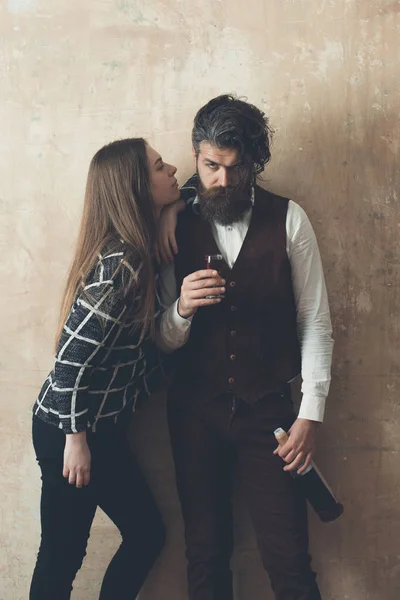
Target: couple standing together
{"points": [[232, 359]]}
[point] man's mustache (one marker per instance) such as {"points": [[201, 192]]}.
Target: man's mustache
{"points": [[220, 190]]}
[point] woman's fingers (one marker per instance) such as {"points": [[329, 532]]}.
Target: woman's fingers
{"points": [[79, 479], [172, 242], [72, 476], [86, 477], [77, 459]]}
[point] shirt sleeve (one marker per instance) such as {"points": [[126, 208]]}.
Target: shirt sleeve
{"points": [[313, 317], [172, 330], [95, 314]]}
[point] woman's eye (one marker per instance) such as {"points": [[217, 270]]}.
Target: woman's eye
{"points": [[161, 167]]}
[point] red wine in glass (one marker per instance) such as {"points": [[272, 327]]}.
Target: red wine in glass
{"points": [[214, 262]]}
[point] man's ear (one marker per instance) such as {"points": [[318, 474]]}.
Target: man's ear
{"points": [[194, 155]]}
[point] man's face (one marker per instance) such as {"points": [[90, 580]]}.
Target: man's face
{"points": [[224, 186], [218, 167]]}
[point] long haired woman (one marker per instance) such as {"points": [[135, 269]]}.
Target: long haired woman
{"points": [[106, 362]]}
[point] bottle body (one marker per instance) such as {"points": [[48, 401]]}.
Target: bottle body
{"points": [[314, 487]]}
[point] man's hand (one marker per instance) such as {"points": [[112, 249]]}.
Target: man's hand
{"points": [[300, 447], [166, 240], [76, 459], [196, 287]]}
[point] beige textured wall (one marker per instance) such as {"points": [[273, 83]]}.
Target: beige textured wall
{"points": [[74, 75]]}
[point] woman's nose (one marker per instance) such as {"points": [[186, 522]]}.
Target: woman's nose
{"points": [[172, 170]]}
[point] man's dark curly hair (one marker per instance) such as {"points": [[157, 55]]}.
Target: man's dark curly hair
{"points": [[227, 122]]}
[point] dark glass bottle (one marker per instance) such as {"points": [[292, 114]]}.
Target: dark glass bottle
{"points": [[314, 487]]}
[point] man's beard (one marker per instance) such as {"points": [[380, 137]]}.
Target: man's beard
{"points": [[224, 205]]}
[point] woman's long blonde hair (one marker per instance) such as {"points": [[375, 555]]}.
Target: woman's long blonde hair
{"points": [[118, 206]]}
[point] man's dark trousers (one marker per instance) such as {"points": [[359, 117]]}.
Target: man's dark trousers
{"points": [[212, 439]]}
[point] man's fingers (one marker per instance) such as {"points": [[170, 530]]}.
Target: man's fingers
{"points": [[202, 274], [296, 463], [205, 302], [202, 293], [202, 300], [200, 284], [305, 463], [198, 289], [193, 304], [290, 457], [203, 283], [284, 450]]}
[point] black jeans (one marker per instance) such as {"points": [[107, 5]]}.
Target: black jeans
{"points": [[117, 485]]}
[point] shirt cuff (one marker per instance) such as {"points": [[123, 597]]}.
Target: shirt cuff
{"points": [[312, 408], [174, 330], [177, 320]]}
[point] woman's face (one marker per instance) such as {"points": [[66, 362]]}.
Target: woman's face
{"points": [[164, 186]]}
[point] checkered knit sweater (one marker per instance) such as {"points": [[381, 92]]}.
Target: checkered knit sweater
{"points": [[100, 372]]}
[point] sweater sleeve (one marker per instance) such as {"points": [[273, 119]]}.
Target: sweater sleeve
{"points": [[96, 313]]}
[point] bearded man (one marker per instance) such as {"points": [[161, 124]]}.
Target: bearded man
{"points": [[244, 332]]}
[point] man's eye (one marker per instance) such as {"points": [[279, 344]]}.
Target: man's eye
{"points": [[212, 167]]}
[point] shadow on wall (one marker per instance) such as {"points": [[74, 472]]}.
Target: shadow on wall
{"points": [[350, 192], [345, 177]]}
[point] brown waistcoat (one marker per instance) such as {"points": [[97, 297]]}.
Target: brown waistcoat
{"points": [[248, 343]]}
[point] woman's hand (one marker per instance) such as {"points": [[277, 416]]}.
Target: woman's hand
{"points": [[76, 459], [166, 240], [195, 289]]}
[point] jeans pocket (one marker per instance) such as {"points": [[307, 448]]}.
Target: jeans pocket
{"points": [[48, 440]]}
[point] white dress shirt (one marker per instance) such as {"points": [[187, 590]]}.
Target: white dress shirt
{"points": [[313, 319]]}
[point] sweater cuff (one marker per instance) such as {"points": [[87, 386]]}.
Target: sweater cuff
{"points": [[77, 425]]}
